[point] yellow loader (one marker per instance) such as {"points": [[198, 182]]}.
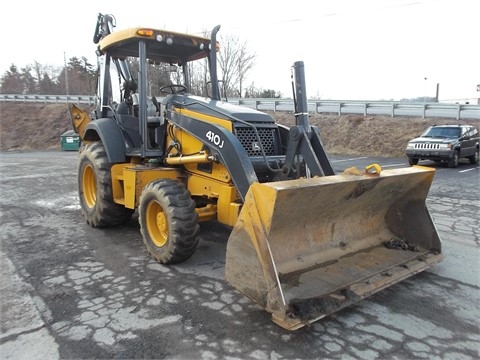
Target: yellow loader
{"points": [[305, 241]]}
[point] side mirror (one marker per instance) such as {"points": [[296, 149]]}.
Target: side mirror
{"points": [[209, 90]]}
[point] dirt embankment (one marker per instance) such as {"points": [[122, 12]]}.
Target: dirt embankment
{"points": [[39, 126], [32, 126], [371, 135]]}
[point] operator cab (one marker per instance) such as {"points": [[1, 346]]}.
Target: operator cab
{"points": [[143, 126]]}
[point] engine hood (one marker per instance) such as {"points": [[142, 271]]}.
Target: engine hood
{"points": [[434, 140], [220, 109]]}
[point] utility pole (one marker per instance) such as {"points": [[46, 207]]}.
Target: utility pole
{"points": [[66, 71], [425, 90]]}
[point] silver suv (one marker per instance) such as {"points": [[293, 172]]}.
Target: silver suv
{"points": [[445, 143]]}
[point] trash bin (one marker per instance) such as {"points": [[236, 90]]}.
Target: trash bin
{"points": [[70, 140]]}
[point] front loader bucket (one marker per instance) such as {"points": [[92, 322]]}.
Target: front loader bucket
{"points": [[306, 248]]}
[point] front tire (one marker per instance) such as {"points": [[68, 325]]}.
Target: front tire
{"points": [[453, 162], [168, 221], [474, 159], [412, 161], [95, 189]]}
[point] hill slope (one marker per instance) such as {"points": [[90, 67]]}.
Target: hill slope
{"points": [[39, 126]]}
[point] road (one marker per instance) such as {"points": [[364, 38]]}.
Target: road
{"points": [[71, 291]]}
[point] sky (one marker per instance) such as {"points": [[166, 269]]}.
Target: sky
{"points": [[352, 49]]}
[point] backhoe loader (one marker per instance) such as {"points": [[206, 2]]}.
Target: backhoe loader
{"points": [[305, 241]]}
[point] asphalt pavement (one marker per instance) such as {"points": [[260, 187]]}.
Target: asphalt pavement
{"points": [[69, 291]]}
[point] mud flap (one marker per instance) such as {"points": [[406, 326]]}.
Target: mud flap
{"points": [[306, 248]]}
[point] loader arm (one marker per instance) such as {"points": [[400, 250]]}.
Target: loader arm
{"points": [[227, 151]]}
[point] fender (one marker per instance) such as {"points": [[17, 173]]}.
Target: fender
{"points": [[109, 133]]}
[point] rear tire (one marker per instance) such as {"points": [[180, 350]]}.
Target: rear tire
{"points": [[168, 221], [453, 162], [412, 161], [95, 189], [474, 159]]}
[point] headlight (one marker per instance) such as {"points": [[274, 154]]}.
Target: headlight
{"points": [[410, 146], [445, 146]]}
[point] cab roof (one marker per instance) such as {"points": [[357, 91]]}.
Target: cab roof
{"points": [[162, 45]]}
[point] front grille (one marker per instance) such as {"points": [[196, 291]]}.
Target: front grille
{"points": [[249, 140], [427, 146]]}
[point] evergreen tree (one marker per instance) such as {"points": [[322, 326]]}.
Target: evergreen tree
{"points": [[11, 82]]}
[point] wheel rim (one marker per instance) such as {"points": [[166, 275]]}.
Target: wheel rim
{"points": [[157, 224], [89, 184]]}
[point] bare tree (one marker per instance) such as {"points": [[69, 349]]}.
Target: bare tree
{"points": [[38, 71], [46, 78], [234, 61], [252, 92]]}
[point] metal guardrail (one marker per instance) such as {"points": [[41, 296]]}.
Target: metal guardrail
{"points": [[340, 107], [391, 108], [49, 99]]}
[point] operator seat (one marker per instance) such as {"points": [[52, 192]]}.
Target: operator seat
{"points": [[155, 123], [122, 108]]}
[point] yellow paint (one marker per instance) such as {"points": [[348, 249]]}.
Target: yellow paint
{"points": [[80, 119], [205, 117], [191, 145], [312, 239], [227, 200], [128, 181]]}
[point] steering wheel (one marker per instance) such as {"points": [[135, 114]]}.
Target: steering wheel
{"points": [[172, 89]]}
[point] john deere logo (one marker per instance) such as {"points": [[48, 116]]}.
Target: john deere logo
{"points": [[255, 146]]}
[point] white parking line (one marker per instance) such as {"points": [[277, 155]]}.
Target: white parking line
{"points": [[462, 171]]}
